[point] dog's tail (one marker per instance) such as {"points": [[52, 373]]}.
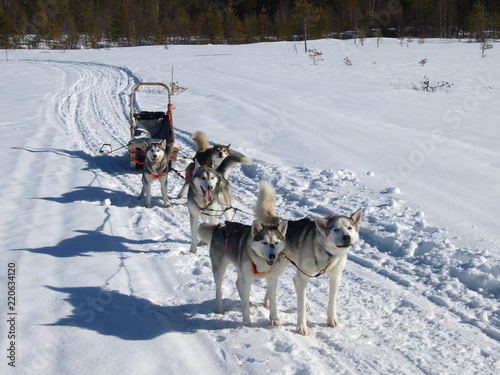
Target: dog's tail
{"points": [[201, 141], [230, 161], [205, 231], [264, 210]]}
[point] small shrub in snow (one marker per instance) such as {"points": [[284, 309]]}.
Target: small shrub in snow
{"points": [[176, 89], [423, 62], [485, 46], [315, 55], [347, 61], [436, 86]]}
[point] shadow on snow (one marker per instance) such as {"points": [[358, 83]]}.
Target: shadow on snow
{"points": [[128, 317], [90, 241]]}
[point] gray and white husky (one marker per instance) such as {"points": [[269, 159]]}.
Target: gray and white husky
{"points": [[156, 167], [209, 194], [205, 155], [316, 247], [255, 252]]}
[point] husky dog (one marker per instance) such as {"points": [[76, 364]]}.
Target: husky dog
{"points": [[205, 155], [156, 166], [315, 247], [209, 193], [255, 252]]}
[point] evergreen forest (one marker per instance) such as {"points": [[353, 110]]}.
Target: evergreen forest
{"points": [[98, 23]]}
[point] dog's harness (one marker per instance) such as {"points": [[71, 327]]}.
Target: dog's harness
{"points": [[254, 268], [155, 176]]}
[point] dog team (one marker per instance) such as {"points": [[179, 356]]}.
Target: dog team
{"points": [[262, 250]]}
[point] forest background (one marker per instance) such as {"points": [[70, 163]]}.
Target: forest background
{"points": [[71, 24]]}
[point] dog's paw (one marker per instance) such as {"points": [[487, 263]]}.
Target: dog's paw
{"points": [[276, 323], [302, 330], [201, 243], [332, 322], [168, 205]]}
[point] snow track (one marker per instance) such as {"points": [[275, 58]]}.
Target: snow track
{"points": [[134, 288]]}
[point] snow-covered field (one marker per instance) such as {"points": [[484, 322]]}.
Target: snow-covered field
{"points": [[104, 286]]}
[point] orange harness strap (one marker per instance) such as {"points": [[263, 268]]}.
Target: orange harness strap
{"points": [[155, 176], [254, 270], [252, 264]]}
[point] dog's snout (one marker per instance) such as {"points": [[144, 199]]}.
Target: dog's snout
{"points": [[347, 238], [272, 256]]}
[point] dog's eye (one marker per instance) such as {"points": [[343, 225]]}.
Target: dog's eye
{"points": [[336, 230], [265, 243], [350, 228]]}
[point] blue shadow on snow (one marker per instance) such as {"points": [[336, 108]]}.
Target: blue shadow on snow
{"points": [[128, 317], [90, 241]]}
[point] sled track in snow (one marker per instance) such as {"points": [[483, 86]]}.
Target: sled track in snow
{"points": [[94, 111]]}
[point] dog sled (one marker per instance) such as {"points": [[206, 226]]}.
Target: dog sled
{"points": [[149, 127]]}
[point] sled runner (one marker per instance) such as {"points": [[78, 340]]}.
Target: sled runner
{"points": [[149, 127]]}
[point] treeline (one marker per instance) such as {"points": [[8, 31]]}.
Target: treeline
{"points": [[71, 23]]}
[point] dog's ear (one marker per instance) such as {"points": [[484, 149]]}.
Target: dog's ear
{"points": [[282, 227], [321, 224], [163, 144], [146, 144], [228, 146], [256, 228], [356, 217], [196, 164]]}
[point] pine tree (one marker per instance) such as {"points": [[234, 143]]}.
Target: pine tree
{"points": [[306, 14], [215, 26], [232, 24]]}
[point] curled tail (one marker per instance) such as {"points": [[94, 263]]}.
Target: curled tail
{"points": [[201, 141], [230, 161], [205, 231], [264, 210]]}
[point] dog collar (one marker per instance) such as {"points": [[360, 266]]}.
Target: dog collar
{"points": [[330, 255]]}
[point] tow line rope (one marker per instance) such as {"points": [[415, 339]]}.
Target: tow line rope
{"points": [[219, 213], [311, 276], [111, 150]]}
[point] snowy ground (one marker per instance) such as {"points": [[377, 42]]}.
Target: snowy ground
{"points": [[103, 285]]}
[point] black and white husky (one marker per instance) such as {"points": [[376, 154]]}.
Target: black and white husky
{"points": [[209, 194], [156, 167], [255, 252], [316, 246]]}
